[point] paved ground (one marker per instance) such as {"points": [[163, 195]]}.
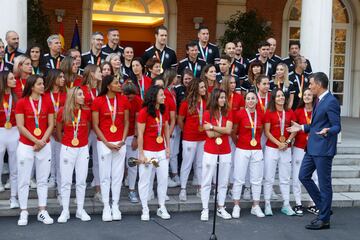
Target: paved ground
{"points": [[345, 225]]}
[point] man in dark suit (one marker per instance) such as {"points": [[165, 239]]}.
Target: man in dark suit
{"points": [[321, 148]]}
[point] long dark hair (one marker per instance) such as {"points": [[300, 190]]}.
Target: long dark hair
{"points": [[204, 78], [105, 83], [213, 105], [169, 76], [251, 76], [30, 82], [150, 101], [3, 85], [50, 80], [41, 59], [301, 103], [193, 94], [272, 104]]}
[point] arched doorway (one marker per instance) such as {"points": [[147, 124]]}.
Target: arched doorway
{"points": [[136, 20], [341, 38]]}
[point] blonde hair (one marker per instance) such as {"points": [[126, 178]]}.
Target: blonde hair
{"points": [[69, 106], [286, 75], [109, 58], [19, 60]]}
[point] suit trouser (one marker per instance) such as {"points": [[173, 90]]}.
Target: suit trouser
{"points": [[131, 171], [111, 171], [55, 162], [162, 173], [208, 171], [25, 161], [9, 141], [322, 195], [95, 157], [273, 158], [192, 152], [73, 158], [297, 158], [244, 160], [174, 146]]}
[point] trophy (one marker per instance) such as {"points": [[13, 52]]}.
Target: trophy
{"points": [[132, 162]]}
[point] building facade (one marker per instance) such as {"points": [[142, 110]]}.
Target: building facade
{"points": [[137, 20]]}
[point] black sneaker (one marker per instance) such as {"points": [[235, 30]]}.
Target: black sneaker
{"points": [[298, 209], [313, 209]]}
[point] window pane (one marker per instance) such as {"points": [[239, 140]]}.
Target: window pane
{"points": [[339, 98], [294, 33], [338, 87], [340, 35], [340, 14], [340, 47], [129, 6], [338, 74], [339, 61], [295, 12], [102, 5]]}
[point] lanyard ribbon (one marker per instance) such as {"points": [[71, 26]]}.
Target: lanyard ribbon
{"points": [[92, 94], [7, 108], [162, 57], [159, 124], [142, 88], [195, 67], [36, 111], [112, 109], [2, 66], [75, 123], [308, 120], [200, 112], [204, 55], [57, 103], [263, 107], [282, 122], [252, 123]]}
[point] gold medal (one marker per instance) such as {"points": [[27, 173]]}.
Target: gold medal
{"points": [[75, 142], [8, 125], [159, 139], [37, 132], [253, 142], [201, 128], [218, 141], [282, 138], [113, 129], [300, 95]]}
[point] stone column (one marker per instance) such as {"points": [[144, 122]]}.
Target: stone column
{"points": [[316, 21], [13, 16]]}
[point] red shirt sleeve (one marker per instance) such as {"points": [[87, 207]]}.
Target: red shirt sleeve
{"points": [[20, 107], [142, 116]]}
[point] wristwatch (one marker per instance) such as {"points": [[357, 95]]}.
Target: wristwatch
{"points": [[288, 141]]}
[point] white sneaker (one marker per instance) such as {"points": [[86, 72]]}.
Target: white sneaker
{"points": [[7, 184], [126, 181], [151, 195], [171, 183], [106, 214], [14, 203], [204, 215], [23, 219], [247, 193], [163, 213], [82, 215], [97, 197], [236, 211], [33, 184], [145, 216], [198, 192], [268, 210], [177, 180], [64, 216], [2, 189], [116, 214], [51, 183], [221, 212], [59, 199], [274, 196], [5, 169], [182, 195], [43, 216], [257, 211]]}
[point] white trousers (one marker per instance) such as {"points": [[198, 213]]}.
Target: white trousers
{"points": [[174, 146], [192, 152], [298, 156], [25, 161], [162, 173], [95, 160], [131, 171], [55, 173], [111, 171], [244, 160], [9, 139], [208, 171], [273, 158], [233, 148], [73, 158]]}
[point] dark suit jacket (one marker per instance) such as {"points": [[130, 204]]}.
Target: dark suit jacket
{"points": [[325, 115]]}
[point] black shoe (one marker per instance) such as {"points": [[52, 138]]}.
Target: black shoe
{"points": [[318, 225], [298, 209], [313, 209]]}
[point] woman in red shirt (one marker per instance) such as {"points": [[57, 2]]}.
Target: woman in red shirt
{"points": [[248, 127], [143, 82], [73, 125], [303, 116], [208, 75], [278, 150], [218, 126], [55, 93], [191, 122], [35, 121], [106, 69], [9, 133], [263, 97], [22, 70], [153, 142], [130, 91], [70, 69], [110, 120], [90, 85]]}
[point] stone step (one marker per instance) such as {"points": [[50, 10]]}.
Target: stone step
{"points": [[341, 171], [345, 199], [347, 159], [339, 185], [348, 148]]}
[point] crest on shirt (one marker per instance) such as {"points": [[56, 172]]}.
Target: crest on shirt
{"points": [[167, 55], [210, 51], [236, 69], [198, 68]]}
